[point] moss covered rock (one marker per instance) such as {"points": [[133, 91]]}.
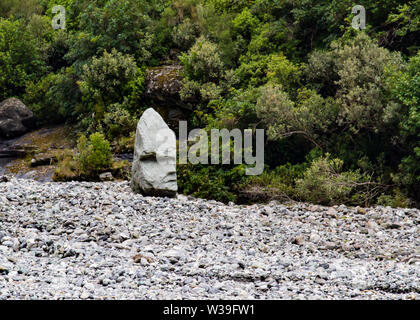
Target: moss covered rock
{"points": [[163, 86]]}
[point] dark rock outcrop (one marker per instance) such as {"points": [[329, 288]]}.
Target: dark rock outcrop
{"points": [[163, 86], [15, 118]]}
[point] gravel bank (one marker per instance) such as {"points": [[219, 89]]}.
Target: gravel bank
{"points": [[100, 241]]}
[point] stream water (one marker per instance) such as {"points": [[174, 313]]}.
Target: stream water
{"points": [[5, 155], [3, 163]]}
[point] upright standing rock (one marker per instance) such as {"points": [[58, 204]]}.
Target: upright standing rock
{"points": [[154, 163]]}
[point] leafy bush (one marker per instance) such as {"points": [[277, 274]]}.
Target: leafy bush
{"points": [[407, 89], [326, 183], [362, 70], [203, 62], [134, 103], [245, 23], [20, 9], [309, 117], [43, 104], [57, 49], [55, 98], [122, 25], [118, 122], [94, 154], [185, 34], [397, 200], [20, 58], [239, 110], [119, 126], [277, 184], [210, 182], [104, 80], [92, 158], [258, 69]]}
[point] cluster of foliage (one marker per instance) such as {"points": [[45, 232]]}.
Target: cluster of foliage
{"points": [[94, 154], [341, 108], [92, 158], [211, 182]]}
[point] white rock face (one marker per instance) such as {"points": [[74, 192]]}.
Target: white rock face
{"points": [[154, 163]]}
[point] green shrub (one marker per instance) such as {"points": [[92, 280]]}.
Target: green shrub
{"points": [[20, 58], [397, 200], [122, 25], [210, 182], [39, 99], [185, 34], [325, 182], [239, 110], [104, 80], [93, 159], [20, 9], [55, 98], [407, 89], [94, 155], [357, 71], [245, 23], [134, 103], [258, 69], [118, 122], [277, 184], [203, 62]]}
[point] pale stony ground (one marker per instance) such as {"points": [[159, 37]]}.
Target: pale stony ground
{"points": [[101, 241]]}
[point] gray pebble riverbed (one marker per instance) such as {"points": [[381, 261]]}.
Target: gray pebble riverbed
{"points": [[100, 241]]}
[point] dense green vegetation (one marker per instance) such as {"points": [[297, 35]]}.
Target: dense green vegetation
{"points": [[341, 108]]}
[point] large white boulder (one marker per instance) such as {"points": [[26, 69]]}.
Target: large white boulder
{"points": [[154, 163]]}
